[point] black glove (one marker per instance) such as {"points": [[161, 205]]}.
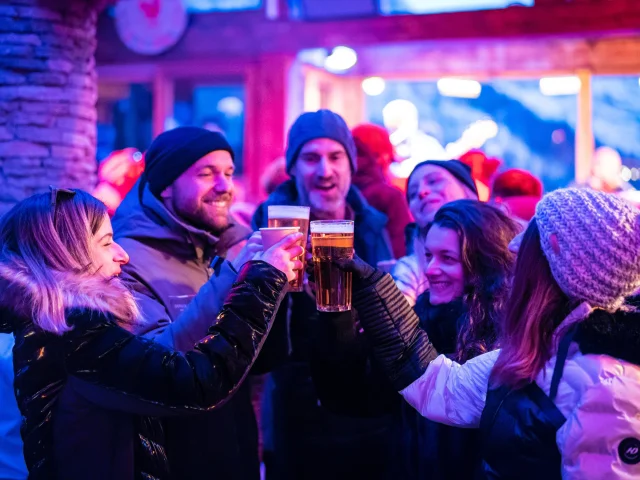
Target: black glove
{"points": [[364, 275]]}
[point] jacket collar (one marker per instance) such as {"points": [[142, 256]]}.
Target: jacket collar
{"points": [[19, 289], [614, 334], [442, 322]]}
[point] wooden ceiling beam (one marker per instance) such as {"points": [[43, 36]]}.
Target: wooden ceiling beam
{"points": [[249, 34]]}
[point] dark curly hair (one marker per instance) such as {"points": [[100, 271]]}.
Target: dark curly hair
{"points": [[485, 233]]}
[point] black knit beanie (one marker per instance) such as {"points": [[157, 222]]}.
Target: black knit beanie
{"points": [[174, 151], [459, 170]]}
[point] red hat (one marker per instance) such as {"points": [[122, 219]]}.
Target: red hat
{"points": [[515, 182], [376, 140], [482, 167]]}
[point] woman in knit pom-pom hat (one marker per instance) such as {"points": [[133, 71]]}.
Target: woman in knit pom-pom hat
{"points": [[561, 398]]}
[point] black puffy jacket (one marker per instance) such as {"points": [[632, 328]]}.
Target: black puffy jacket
{"points": [[85, 395]]}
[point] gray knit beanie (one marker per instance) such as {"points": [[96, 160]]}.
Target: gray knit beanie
{"points": [[320, 124], [598, 249]]}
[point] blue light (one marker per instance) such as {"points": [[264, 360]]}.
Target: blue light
{"points": [[200, 6], [394, 7]]}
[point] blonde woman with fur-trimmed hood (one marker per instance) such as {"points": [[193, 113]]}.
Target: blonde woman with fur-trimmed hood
{"points": [[85, 385]]}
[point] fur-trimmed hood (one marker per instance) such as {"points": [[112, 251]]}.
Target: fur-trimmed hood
{"points": [[19, 291]]}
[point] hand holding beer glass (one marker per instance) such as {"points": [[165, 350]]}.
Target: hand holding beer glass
{"points": [[292, 216], [332, 240]]}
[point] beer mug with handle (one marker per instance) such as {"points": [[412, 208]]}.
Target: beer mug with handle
{"points": [[330, 241]]}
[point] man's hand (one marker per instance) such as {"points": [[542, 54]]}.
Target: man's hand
{"points": [[284, 255], [253, 246]]}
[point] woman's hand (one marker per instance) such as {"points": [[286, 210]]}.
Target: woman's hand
{"points": [[310, 284], [308, 259], [282, 255], [361, 270]]}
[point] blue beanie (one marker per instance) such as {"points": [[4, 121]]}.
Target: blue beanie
{"points": [[320, 124], [173, 152]]}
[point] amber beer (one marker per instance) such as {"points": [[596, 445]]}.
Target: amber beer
{"points": [[292, 216], [331, 240]]}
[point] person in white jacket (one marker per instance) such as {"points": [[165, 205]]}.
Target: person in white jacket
{"points": [[561, 398]]}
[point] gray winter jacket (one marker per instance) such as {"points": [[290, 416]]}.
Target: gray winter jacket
{"points": [[169, 263], [179, 283]]}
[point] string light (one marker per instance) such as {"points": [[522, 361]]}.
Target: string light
{"points": [[341, 59], [373, 86], [553, 86], [459, 88]]}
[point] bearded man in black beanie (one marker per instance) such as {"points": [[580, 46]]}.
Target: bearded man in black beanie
{"points": [[182, 242]]}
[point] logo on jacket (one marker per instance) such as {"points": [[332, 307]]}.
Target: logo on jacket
{"points": [[629, 450]]}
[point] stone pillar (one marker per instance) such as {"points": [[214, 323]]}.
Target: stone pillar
{"points": [[47, 97]]}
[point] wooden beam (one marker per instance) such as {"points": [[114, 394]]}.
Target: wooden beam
{"points": [[162, 102], [585, 142], [486, 59], [265, 114], [247, 34]]}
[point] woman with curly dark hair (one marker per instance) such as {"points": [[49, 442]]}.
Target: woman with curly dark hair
{"points": [[468, 266]]}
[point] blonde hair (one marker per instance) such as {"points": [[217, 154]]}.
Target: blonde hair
{"points": [[46, 265]]}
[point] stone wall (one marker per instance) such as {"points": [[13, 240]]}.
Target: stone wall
{"points": [[47, 97]]}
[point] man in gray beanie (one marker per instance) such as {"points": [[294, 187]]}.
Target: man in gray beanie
{"points": [[178, 232], [309, 441]]}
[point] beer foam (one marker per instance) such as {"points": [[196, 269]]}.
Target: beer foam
{"points": [[275, 229], [288, 211], [340, 226]]}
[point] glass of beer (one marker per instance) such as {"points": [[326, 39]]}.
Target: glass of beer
{"points": [[292, 216], [332, 240]]}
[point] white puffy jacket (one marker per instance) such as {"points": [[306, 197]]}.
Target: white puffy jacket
{"points": [[598, 395], [409, 273]]}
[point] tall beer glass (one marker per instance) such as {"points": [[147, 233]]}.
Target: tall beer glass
{"points": [[292, 216], [331, 240]]}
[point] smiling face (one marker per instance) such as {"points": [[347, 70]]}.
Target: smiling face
{"points": [[445, 271], [430, 188], [323, 176], [107, 257], [202, 195]]}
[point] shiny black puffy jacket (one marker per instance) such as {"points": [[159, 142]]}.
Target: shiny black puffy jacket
{"points": [[85, 396]]}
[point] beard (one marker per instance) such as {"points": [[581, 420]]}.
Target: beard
{"points": [[203, 213]]}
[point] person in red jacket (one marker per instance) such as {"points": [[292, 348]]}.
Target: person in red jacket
{"points": [[375, 154]]}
